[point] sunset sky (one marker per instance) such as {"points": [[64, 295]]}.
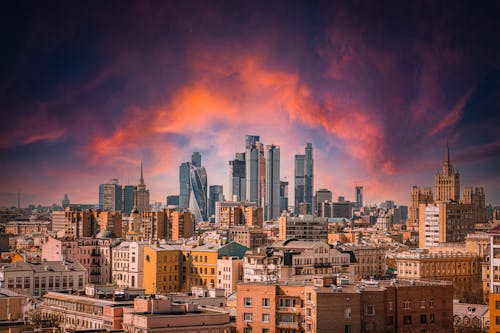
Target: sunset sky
{"points": [[88, 89]]}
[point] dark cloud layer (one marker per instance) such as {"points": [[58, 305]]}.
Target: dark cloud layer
{"points": [[90, 88]]}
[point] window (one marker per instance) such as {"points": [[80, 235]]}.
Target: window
{"points": [[431, 318], [370, 310], [406, 304], [265, 302], [389, 305], [247, 316], [308, 296], [347, 314], [423, 319], [308, 312], [265, 330], [389, 320], [248, 330], [407, 320], [248, 302], [431, 303], [265, 317]]}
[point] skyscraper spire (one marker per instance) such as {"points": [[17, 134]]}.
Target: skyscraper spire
{"points": [[142, 176]]}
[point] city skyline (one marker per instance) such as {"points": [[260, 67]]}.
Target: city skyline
{"points": [[87, 94]]}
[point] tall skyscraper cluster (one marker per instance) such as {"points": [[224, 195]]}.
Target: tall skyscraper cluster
{"points": [[254, 176]]}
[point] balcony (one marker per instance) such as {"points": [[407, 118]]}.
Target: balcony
{"points": [[287, 324], [283, 309]]}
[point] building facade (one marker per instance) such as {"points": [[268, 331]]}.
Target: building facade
{"points": [[37, 279], [303, 227]]}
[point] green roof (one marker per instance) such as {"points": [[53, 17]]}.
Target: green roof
{"points": [[232, 249]]}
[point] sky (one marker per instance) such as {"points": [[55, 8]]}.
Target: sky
{"points": [[88, 89]]}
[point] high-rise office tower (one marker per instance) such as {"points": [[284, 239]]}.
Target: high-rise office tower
{"points": [[299, 181], [128, 198], [184, 185], [272, 193], [283, 196], [447, 181], [110, 196], [309, 175], [172, 200], [237, 178], [216, 194], [304, 179], [255, 170], [193, 188], [196, 159], [322, 195], [141, 195], [359, 196], [65, 201]]}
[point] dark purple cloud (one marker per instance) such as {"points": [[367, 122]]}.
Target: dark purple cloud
{"points": [[90, 88]]}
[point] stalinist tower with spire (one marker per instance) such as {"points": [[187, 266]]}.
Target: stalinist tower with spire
{"points": [[141, 195], [447, 181]]}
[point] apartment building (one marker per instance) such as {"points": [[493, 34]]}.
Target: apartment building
{"points": [[303, 227], [293, 259], [128, 264], [325, 305], [462, 268], [35, 279]]}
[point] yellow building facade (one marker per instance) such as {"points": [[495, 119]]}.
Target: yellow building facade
{"points": [[174, 268], [161, 269], [199, 267]]}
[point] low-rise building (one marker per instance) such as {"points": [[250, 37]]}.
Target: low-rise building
{"points": [[469, 317], [293, 259], [36, 279], [249, 237], [462, 268], [162, 314], [128, 264], [93, 253], [74, 312], [369, 260]]}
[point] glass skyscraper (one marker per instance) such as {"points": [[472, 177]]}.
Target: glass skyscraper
{"points": [[237, 178], [272, 195], [193, 188], [304, 179]]}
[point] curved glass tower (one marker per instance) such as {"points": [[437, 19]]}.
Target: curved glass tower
{"points": [[198, 197]]}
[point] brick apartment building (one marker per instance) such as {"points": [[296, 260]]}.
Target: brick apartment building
{"points": [[324, 307]]}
